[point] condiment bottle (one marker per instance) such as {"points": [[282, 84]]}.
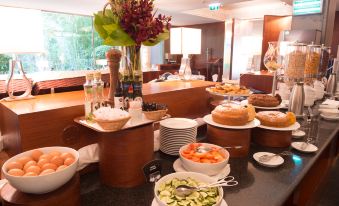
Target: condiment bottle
{"points": [[118, 96], [98, 88], [88, 89]]}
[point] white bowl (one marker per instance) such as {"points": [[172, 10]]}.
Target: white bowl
{"points": [[45, 183], [183, 175], [205, 168]]}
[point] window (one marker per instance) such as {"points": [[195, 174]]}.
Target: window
{"points": [[70, 42]]}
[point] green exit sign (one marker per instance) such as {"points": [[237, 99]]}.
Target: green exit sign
{"points": [[214, 6], [305, 7]]}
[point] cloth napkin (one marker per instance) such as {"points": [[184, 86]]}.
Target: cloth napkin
{"points": [[87, 155], [329, 104]]}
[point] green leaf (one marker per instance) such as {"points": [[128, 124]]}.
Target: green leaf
{"points": [[161, 37], [110, 28]]}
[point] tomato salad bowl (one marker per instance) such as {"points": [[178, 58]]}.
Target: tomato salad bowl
{"points": [[210, 162]]}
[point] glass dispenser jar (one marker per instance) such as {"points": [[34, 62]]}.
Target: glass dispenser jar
{"points": [[295, 63], [324, 60], [313, 54]]}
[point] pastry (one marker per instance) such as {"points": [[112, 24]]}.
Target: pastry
{"points": [[276, 119], [230, 114], [229, 89], [264, 100]]}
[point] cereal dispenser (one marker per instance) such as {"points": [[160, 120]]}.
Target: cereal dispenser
{"points": [[312, 62], [294, 64]]}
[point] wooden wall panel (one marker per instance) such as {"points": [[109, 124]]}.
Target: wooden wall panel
{"points": [[271, 30], [335, 37]]}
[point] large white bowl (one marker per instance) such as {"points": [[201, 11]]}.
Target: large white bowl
{"points": [[183, 175], [45, 183], [205, 168]]}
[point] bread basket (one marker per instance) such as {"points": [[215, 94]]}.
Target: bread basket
{"points": [[155, 115], [112, 125]]}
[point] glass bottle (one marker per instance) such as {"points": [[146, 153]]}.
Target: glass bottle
{"points": [[137, 86], [88, 89], [98, 87], [272, 61], [324, 61], [118, 96]]}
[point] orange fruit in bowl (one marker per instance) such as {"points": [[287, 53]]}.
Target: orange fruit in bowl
{"points": [[49, 166], [58, 161], [24, 159], [30, 163], [46, 172], [30, 174], [34, 168], [16, 172], [69, 161], [14, 165], [42, 162], [36, 154]]}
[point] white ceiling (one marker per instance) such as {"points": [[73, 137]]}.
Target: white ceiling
{"points": [[184, 12]]}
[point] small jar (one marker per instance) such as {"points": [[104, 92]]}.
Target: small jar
{"points": [[312, 63], [324, 60]]}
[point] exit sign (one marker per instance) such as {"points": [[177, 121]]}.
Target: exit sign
{"points": [[214, 6], [305, 7]]}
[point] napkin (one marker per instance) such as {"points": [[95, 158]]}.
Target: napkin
{"points": [[329, 104], [87, 155], [156, 140]]}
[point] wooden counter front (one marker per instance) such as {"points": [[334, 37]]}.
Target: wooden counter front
{"points": [[47, 120]]}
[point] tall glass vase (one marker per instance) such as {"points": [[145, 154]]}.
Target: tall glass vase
{"points": [[272, 61], [132, 74]]}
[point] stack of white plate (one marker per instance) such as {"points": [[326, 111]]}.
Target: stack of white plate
{"points": [[175, 133]]}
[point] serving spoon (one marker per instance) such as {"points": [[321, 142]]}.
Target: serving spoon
{"points": [[203, 149], [185, 190]]}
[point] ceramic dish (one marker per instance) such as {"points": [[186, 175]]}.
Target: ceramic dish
{"points": [[329, 118], [154, 203], [294, 126], [308, 149], [298, 133], [178, 167], [274, 162], [178, 123], [208, 119]]}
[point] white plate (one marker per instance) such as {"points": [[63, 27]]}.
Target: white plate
{"points": [[298, 133], [154, 203], [309, 148], [208, 119], [245, 102], [329, 118], [178, 123], [289, 128], [274, 162], [178, 167]]}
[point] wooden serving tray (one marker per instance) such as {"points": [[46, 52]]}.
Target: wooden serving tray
{"points": [[96, 127]]}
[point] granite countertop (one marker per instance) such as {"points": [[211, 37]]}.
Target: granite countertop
{"points": [[258, 185]]}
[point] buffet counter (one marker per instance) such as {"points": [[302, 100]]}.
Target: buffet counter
{"points": [[293, 183]]}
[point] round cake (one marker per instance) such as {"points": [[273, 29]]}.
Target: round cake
{"points": [[264, 100], [230, 114], [276, 119]]}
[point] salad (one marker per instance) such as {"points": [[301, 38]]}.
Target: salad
{"points": [[203, 197]]}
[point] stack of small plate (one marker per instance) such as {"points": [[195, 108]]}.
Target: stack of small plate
{"points": [[175, 133]]}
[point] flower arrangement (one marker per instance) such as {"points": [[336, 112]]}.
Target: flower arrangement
{"points": [[131, 23]]}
